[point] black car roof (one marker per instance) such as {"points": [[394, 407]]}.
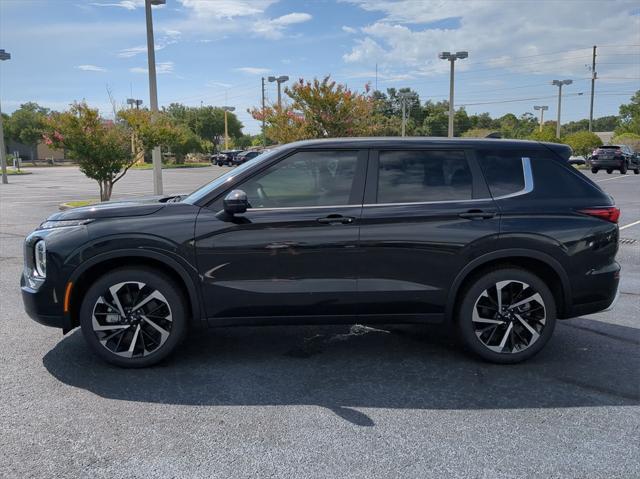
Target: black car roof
{"points": [[392, 142]]}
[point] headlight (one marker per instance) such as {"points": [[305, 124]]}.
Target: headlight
{"points": [[62, 224], [40, 258]]}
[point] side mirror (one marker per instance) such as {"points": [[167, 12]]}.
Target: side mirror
{"points": [[235, 202]]}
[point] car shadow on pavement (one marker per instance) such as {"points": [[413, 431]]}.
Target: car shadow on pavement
{"points": [[587, 363]]}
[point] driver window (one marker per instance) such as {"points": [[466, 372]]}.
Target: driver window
{"points": [[307, 178]]}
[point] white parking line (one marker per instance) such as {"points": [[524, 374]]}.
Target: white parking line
{"points": [[614, 178], [630, 225]]}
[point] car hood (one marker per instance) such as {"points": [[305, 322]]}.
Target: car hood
{"points": [[113, 209]]}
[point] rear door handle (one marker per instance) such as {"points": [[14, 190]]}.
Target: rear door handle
{"points": [[336, 220], [477, 215]]}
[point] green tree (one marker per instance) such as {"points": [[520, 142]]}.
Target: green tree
{"points": [[318, 109], [101, 148], [436, 121], [150, 129], [632, 140], [583, 142], [27, 124], [547, 134], [207, 122], [478, 133], [630, 116]]}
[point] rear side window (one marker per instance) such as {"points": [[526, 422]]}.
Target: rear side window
{"points": [[502, 170], [421, 176], [553, 179]]}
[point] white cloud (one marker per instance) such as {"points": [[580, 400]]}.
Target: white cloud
{"points": [[347, 29], [161, 68], [226, 9], [133, 51], [170, 37], [91, 68], [253, 70], [410, 33], [274, 28], [217, 84], [126, 4]]}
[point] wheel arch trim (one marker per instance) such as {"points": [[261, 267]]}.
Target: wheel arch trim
{"points": [[505, 254], [191, 287]]}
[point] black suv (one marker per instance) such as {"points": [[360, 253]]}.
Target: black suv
{"points": [[496, 237], [614, 157]]}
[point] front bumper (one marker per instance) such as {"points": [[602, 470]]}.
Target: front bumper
{"points": [[43, 306]]}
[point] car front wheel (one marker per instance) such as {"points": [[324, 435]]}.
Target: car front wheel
{"points": [[133, 317], [594, 170], [507, 315], [623, 169]]}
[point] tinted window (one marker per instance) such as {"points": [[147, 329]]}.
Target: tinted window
{"points": [[314, 178], [552, 179], [502, 170], [416, 176]]}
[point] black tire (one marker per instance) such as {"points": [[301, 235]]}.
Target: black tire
{"points": [[594, 170], [636, 171], [470, 331], [99, 296], [623, 168], [609, 171]]}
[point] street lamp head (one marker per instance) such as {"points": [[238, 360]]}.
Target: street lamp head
{"points": [[462, 55], [5, 55], [283, 78], [567, 82], [131, 101], [157, 2], [444, 55], [272, 79], [541, 107], [229, 108]]}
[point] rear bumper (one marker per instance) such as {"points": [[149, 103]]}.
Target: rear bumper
{"points": [[599, 290], [608, 163]]}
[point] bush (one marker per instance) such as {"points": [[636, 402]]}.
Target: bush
{"points": [[583, 142], [547, 134], [632, 140]]}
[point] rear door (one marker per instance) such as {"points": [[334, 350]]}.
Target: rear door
{"points": [[427, 212]]}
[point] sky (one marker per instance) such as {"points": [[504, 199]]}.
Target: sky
{"points": [[215, 52]]}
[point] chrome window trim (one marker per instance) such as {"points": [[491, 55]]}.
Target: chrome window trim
{"points": [[528, 188], [528, 180]]}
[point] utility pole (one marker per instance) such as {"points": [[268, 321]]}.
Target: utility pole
{"points": [[3, 154], [559, 84], [452, 57], [226, 128], [264, 136], [542, 109], [594, 75], [156, 154]]}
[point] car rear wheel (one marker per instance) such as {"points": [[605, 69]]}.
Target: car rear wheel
{"points": [[133, 317], [594, 170], [636, 171], [623, 168], [506, 315], [609, 170]]}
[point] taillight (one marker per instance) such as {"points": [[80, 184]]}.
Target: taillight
{"points": [[618, 152], [610, 213]]}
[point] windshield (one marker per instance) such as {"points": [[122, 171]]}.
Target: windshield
{"points": [[207, 188]]}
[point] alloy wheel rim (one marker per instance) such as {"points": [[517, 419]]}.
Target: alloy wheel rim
{"points": [[131, 319], [509, 317]]}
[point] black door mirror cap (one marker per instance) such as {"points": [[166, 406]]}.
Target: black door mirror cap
{"points": [[235, 202]]}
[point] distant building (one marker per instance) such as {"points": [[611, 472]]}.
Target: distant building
{"points": [[41, 151], [605, 136]]}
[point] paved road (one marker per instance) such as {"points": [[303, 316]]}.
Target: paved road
{"points": [[313, 401]]}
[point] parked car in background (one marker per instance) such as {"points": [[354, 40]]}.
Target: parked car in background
{"points": [[225, 158], [219, 159], [614, 157], [245, 156], [498, 238], [577, 160]]}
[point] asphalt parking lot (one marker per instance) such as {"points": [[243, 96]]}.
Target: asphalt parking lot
{"points": [[313, 401]]}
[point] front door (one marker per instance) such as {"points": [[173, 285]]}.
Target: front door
{"points": [[426, 213], [294, 252]]}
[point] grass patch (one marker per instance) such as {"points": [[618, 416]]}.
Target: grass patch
{"points": [[16, 172], [78, 203], [170, 166]]}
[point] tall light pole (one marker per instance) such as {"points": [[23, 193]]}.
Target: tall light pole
{"points": [[156, 155], [279, 80], [264, 136], [542, 109], [594, 76], [226, 128], [559, 84], [452, 57], [3, 157], [133, 101]]}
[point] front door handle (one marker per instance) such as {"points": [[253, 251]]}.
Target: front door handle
{"points": [[336, 220], [477, 215]]}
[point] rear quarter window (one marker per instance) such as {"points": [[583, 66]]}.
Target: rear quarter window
{"points": [[553, 179], [502, 171]]}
